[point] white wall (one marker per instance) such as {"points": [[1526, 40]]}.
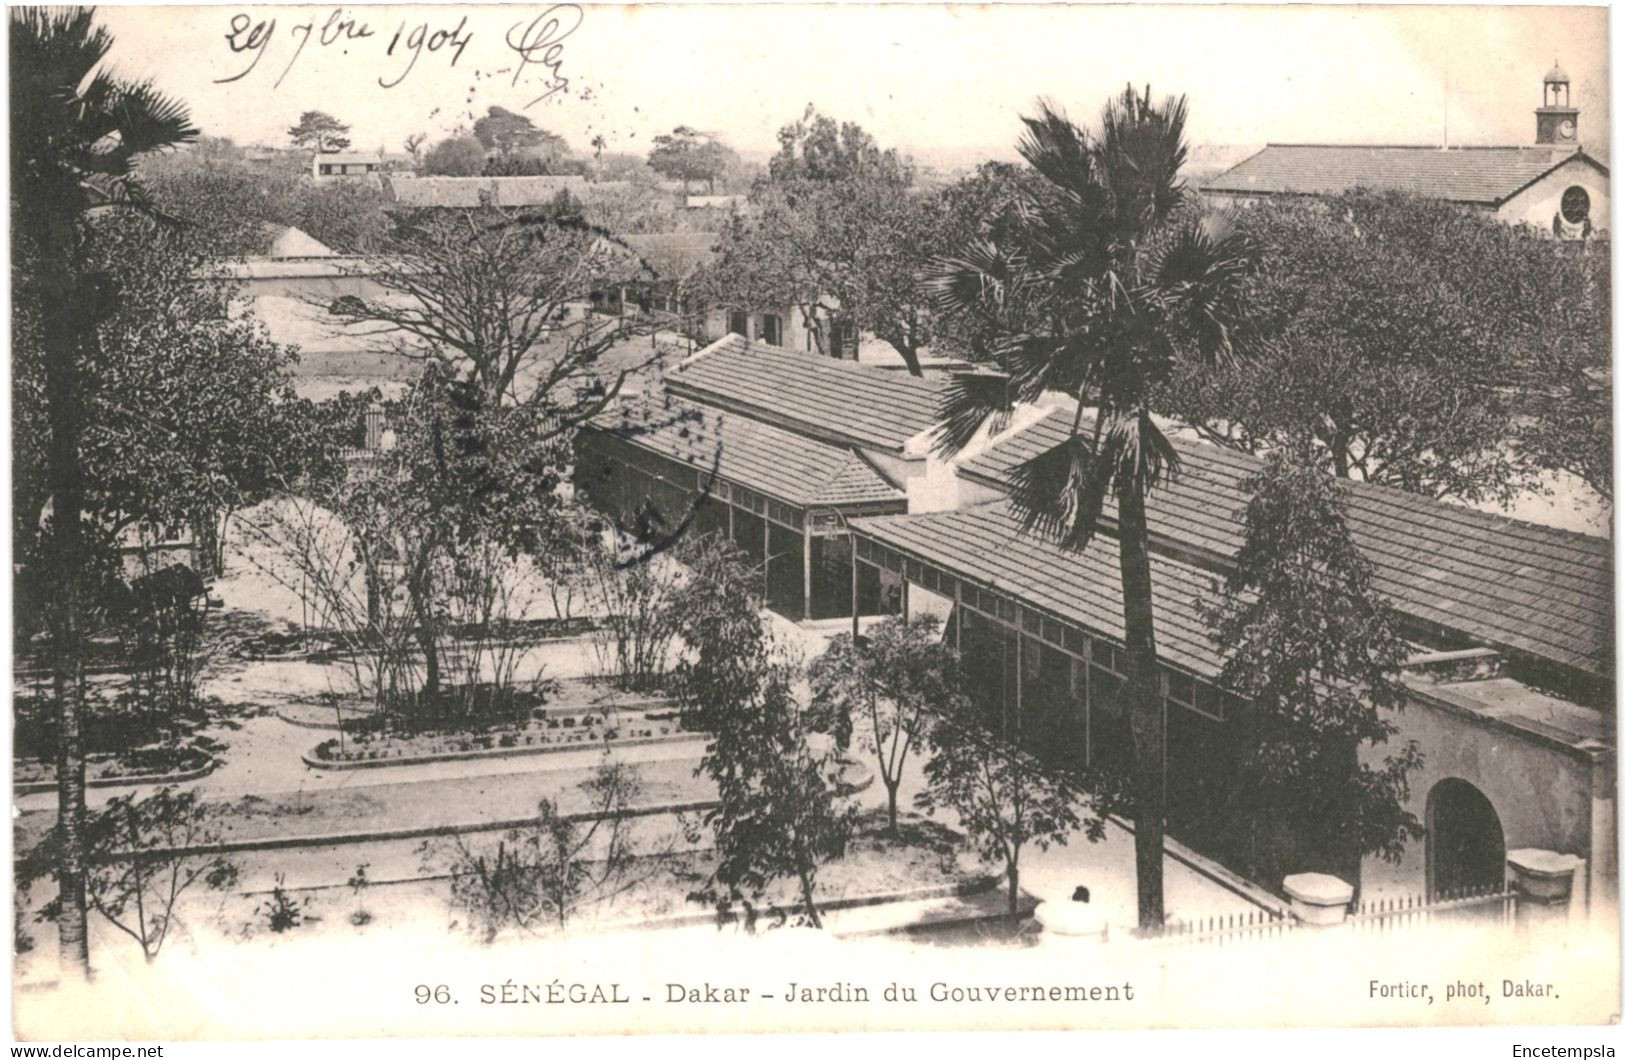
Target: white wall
{"points": [[1536, 204]]}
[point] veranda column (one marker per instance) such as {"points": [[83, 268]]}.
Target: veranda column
{"points": [[806, 568]]}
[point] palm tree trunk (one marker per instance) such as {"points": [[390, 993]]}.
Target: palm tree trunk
{"points": [[1144, 699], [56, 240]]}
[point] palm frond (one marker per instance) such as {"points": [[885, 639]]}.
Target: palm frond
{"points": [[1197, 274], [1140, 154], [1059, 493], [972, 400], [1058, 149]]}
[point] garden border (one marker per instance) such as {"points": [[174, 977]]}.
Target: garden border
{"points": [[38, 787], [310, 759]]}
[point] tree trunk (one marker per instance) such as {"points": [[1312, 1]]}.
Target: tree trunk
{"points": [[891, 804], [423, 612], [63, 319], [807, 900], [1013, 877], [1144, 700]]}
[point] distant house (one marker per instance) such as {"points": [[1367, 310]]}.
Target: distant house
{"points": [[714, 202], [345, 164], [1553, 184]]}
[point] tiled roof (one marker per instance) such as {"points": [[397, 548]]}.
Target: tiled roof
{"points": [[1515, 585], [674, 255], [834, 400], [464, 192], [985, 544], [790, 467], [1485, 175]]}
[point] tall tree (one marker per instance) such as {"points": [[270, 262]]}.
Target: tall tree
{"points": [[817, 147], [1102, 283], [1314, 651], [319, 131], [687, 154], [75, 133], [512, 135], [838, 235], [778, 815]]}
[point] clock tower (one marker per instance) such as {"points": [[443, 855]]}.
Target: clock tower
{"points": [[1556, 121]]}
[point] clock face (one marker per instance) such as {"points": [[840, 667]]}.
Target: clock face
{"points": [[1565, 128]]}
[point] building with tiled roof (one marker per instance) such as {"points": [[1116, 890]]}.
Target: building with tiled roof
{"points": [[809, 464], [1552, 184], [713, 451]]}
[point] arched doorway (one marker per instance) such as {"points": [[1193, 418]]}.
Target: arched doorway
{"points": [[1466, 849]]}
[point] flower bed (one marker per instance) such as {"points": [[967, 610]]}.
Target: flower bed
{"points": [[154, 764], [564, 732]]}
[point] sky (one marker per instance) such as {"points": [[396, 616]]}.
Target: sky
{"points": [[934, 80]]}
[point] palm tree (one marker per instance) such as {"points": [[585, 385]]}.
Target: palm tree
{"points": [[75, 133], [598, 145], [1104, 278]]}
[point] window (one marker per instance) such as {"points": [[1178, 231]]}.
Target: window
{"points": [[327, 170], [1576, 205], [772, 330], [739, 322]]}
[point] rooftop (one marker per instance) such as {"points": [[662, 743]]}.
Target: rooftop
{"points": [[1479, 175], [790, 467], [835, 401], [1514, 585], [466, 192]]}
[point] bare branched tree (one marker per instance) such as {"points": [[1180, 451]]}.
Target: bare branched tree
{"points": [[525, 306]]}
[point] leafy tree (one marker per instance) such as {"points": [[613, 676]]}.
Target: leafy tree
{"points": [[777, 815], [687, 154], [715, 613], [233, 205], [320, 132], [1315, 652], [510, 135], [817, 147], [884, 688], [456, 156], [1388, 328], [1005, 798], [190, 410], [147, 860], [75, 132], [837, 234], [1098, 287]]}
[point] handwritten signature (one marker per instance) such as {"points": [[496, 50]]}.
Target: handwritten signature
{"points": [[542, 44]]}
